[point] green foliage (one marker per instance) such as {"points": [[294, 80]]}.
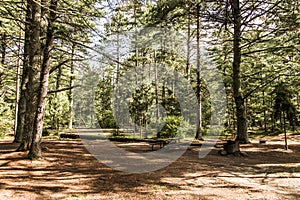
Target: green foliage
{"points": [[170, 103], [140, 103], [117, 133], [269, 55], [55, 115], [6, 100], [283, 104], [103, 101], [171, 127], [6, 118], [187, 130]]}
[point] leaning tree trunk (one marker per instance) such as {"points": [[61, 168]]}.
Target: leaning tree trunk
{"points": [[242, 135], [35, 149]]}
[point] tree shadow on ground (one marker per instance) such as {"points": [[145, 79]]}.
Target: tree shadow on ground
{"points": [[68, 169]]}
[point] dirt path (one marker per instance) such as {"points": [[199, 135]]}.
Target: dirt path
{"points": [[68, 171]]}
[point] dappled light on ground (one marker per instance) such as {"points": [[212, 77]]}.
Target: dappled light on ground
{"points": [[68, 171]]}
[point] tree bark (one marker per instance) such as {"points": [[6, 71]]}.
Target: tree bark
{"points": [[71, 100], [3, 55], [285, 136], [188, 52], [265, 113], [158, 135], [242, 135], [198, 89], [17, 86], [35, 149], [22, 101], [32, 86], [3, 48], [57, 88], [22, 105]]}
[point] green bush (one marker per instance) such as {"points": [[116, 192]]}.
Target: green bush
{"points": [[107, 120], [117, 133], [171, 127], [6, 118]]}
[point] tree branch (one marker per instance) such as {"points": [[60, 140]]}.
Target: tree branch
{"points": [[63, 89], [264, 85], [63, 63], [266, 50]]}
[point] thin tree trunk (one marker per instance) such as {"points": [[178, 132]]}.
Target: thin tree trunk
{"points": [[57, 87], [273, 117], [17, 86], [117, 105], [280, 119], [285, 136], [3, 56], [265, 114], [71, 95], [242, 134], [163, 94], [198, 89], [156, 97], [188, 52], [3, 48]]}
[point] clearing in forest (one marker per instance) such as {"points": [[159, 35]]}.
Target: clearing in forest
{"points": [[69, 171]]}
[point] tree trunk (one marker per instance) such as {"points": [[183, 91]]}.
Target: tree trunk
{"points": [[32, 86], [285, 136], [58, 83], [22, 106], [35, 149], [188, 52], [156, 97], [280, 119], [265, 114], [17, 86], [71, 95], [22, 101], [3, 56], [198, 89], [3, 48], [242, 135]]}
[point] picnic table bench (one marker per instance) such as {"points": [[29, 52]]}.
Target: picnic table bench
{"points": [[163, 142]]}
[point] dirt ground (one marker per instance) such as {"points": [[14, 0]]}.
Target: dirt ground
{"points": [[69, 171]]}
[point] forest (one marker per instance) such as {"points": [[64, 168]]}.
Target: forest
{"points": [[147, 72]]}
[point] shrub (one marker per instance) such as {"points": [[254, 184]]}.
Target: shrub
{"points": [[171, 127], [6, 118]]}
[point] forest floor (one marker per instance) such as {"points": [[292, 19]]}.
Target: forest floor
{"points": [[69, 171]]}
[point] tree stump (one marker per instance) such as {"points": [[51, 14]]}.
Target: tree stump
{"points": [[231, 147]]}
